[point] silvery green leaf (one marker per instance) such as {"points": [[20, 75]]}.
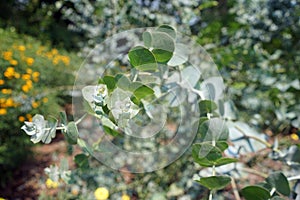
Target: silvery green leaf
{"points": [[50, 132], [180, 55]]}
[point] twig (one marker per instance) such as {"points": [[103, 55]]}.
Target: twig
{"points": [[235, 190]]}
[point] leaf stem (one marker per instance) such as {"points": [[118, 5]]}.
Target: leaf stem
{"points": [[80, 119]]}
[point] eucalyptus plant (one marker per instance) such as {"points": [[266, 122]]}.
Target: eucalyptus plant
{"points": [[158, 84]]}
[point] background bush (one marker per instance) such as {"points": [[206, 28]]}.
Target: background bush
{"points": [[34, 78]]}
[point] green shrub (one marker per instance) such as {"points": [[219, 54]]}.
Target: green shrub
{"points": [[33, 77]]}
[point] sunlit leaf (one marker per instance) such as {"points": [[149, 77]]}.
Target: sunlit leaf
{"points": [[143, 91], [142, 59]]}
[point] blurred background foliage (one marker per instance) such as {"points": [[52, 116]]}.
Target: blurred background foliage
{"points": [[254, 43]]}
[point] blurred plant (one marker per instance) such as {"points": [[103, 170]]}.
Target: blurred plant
{"points": [[32, 78], [256, 46]]}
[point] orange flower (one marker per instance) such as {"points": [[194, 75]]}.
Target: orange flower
{"points": [[9, 102], [2, 82], [28, 116], [6, 91], [25, 88], [3, 111], [35, 104], [21, 118]]}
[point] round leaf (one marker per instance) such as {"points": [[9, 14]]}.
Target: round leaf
{"points": [[167, 29], [72, 133], [142, 59], [147, 38], [280, 182]]}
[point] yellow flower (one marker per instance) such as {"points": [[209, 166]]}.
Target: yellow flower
{"points": [[25, 88], [51, 184], [29, 83], [29, 61], [13, 62], [101, 193], [28, 71], [36, 74], [21, 118], [55, 60], [54, 51], [2, 82], [45, 100], [3, 111], [2, 198], [17, 75], [25, 76], [65, 59], [125, 197], [21, 48], [9, 72], [7, 55], [294, 136], [6, 91]]}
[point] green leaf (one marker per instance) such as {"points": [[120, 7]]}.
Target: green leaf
{"points": [[255, 192], [279, 182], [213, 129], [205, 154], [110, 131], [180, 55], [163, 41], [167, 29], [147, 38], [84, 146], [215, 182], [142, 59], [191, 76], [82, 161], [63, 118], [72, 133], [142, 92], [49, 134], [122, 82], [162, 56], [222, 145], [225, 161], [207, 106], [110, 82]]}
